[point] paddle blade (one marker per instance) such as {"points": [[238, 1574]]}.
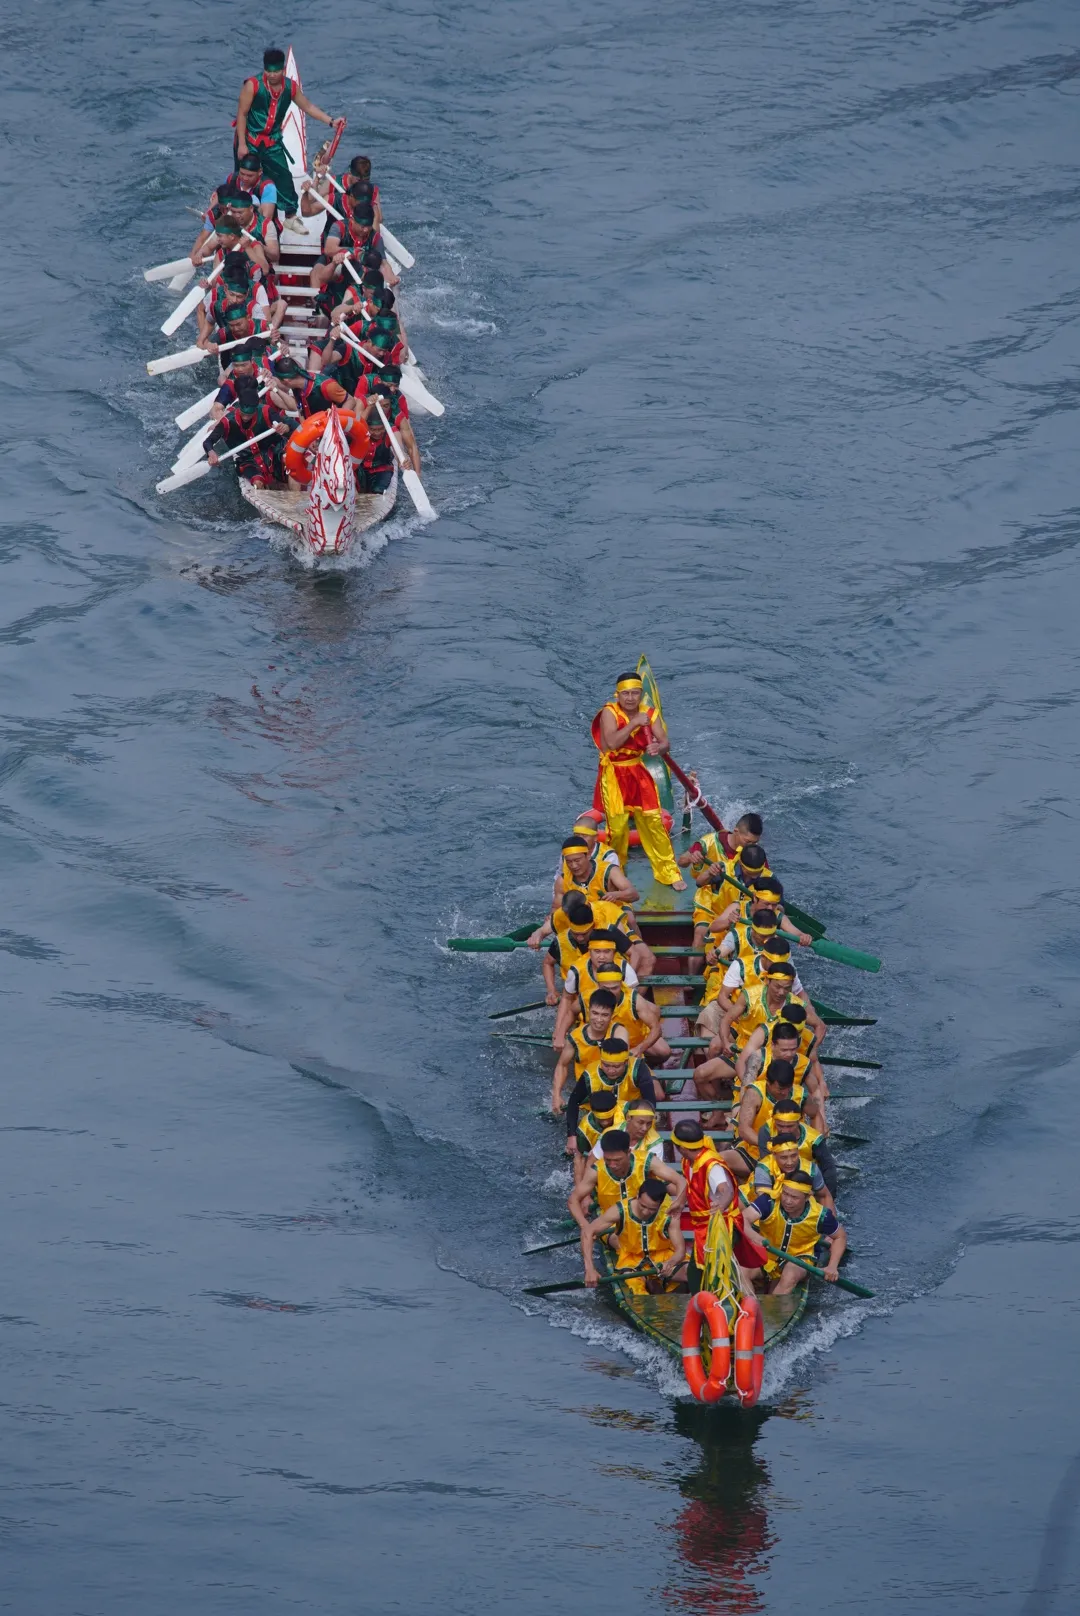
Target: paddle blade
{"points": [[858, 1065], [483, 945], [838, 1018], [550, 1290], [195, 412], [418, 395], [518, 1010], [181, 479], [845, 956], [401, 253], [186, 306], [805, 922], [193, 451], [175, 361], [178, 282], [165, 272], [417, 494]]}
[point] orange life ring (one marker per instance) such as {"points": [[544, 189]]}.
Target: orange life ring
{"points": [[749, 1351], [311, 430], [705, 1308], [635, 840]]}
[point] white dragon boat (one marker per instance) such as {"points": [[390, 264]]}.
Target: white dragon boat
{"points": [[329, 514]]}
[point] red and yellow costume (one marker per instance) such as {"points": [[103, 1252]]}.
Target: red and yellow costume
{"points": [[625, 788]]}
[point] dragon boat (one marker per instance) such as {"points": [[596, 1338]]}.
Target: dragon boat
{"points": [[719, 1322], [329, 514]]}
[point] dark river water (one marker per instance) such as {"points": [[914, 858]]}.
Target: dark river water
{"points": [[757, 327]]}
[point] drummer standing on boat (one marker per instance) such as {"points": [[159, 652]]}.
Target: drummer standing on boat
{"points": [[260, 124], [626, 732]]}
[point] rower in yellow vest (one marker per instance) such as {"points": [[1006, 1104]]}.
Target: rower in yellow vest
{"points": [[784, 1041], [644, 1234], [617, 1175], [602, 1114], [626, 731], [581, 1051], [756, 1103], [779, 1163], [787, 1125], [607, 1065], [740, 960], [636, 1015], [594, 874], [719, 895], [759, 1008], [796, 1223]]}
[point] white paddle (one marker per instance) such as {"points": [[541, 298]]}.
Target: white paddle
{"points": [[179, 281], [417, 393], [204, 468], [189, 304], [316, 196], [347, 335], [394, 245], [424, 507], [165, 272], [187, 356], [195, 412]]}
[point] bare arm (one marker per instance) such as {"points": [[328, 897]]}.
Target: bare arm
{"points": [[243, 107], [756, 1042], [650, 1015], [671, 1176], [749, 1106], [601, 1225], [405, 433], [618, 887], [559, 1080], [580, 1198], [610, 733], [564, 1016], [547, 969], [837, 1247], [312, 110]]}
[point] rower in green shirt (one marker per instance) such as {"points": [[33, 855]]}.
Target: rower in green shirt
{"points": [[260, 123]]}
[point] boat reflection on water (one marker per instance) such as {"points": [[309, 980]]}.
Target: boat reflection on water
{"points": [[723, 1527]]}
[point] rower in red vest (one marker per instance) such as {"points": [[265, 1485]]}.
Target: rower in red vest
{"points": [[625, 732], [242, 421]]}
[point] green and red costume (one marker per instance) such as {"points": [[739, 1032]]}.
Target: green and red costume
{"points": [[266, 135]]}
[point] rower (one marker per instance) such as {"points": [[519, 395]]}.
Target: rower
{"points": [[643, 1234], [597, 973], [775, 1086], [249, 416], [597, 1068], [767, 891], [717, 901], [782, 1039], [779, 1163], [260, 126], [247, 177], [580, 1053], [375, 471], [754, 945], [635, 1014], [234, 290], [618, 1175], [241, 365], [583, 870], [602, 1113], [240, 206], [716, 845], [799, 1224], [575, 919], [386, 387], [758, 1009], [625, 732], [788, 1126], [308, 393]]}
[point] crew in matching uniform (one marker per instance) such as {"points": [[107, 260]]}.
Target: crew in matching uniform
{"points": [[795, 1224]]}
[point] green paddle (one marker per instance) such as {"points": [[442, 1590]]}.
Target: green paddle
{"points": [[841, 1060], [553, 1245], [485, 945], [818, 1273], [519, 1010], [580, 1285]]}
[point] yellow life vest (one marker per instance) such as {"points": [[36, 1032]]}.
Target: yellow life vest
{"points": [[625, 1015], [590, 1127], [628, 1089], [588, 985], [765, 1111], [610, 1189], [756, 1014], [808, 1138], [714, 853], [769, 1164], [642, 1244], [798, 1236]]}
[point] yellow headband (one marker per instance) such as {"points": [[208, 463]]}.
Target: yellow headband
{"points": [[609, 973], [585, 827], [630, 684], [615, 1060], [574, 845], [800, 1189], [601, 942], [641, 1111]]}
